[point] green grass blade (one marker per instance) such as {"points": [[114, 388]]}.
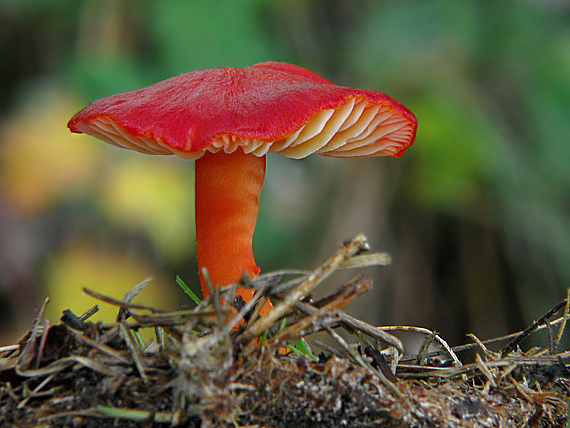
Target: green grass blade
{"points": [[303, 348], [187, 290]]}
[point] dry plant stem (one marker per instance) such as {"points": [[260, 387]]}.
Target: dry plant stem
{"points": [[173, 318], [27, 355], [353, 323], [135, 351], [33, 393], [300, 328], [424, 350], [488, 354], [249, 305], [551, 340], [134, 292], [564, 319], [517, 340], [157, 317], [89, 313], [507, 371], [367, 260], [272, 278], [303, 289], [375, 332], [289, 284], [8, 349], [54, 367], [101, 347], [47, 325], [243, 311], [64, 363], [426, 332], [117, 302], [406, 371], [355, 356], [329, 298], [214, 294], [469, 346], [364, 363], [485, 370], [520, 389], [330, 349]]}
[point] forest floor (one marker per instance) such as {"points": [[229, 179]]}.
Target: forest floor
{"points": [[221, 366]]}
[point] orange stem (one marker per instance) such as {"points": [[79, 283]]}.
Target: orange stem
{"points": [[227, 202]]}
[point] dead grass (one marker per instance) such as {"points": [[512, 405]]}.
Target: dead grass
{"points": [[208, 368]]}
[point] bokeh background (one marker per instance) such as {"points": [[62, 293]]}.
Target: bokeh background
{"points": [[475, 214]]}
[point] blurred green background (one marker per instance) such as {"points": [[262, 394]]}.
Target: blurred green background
{"points": [[475, 214]]}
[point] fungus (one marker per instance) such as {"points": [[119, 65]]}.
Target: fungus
{"points": [[227, 120]]}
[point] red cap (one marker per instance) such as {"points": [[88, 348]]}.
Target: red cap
{"points": [[268, 107]]}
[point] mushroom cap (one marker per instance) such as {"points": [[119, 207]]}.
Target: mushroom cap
{"points": [[268, 107]]}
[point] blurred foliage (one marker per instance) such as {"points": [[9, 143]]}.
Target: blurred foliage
{"points": [[42, 161], [475, 215], [112, 273], [161, 206]]}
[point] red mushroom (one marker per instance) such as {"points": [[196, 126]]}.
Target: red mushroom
{"points": [[227, 120]]}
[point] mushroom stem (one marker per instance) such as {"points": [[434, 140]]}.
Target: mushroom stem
{"points": [[227, 202]]}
